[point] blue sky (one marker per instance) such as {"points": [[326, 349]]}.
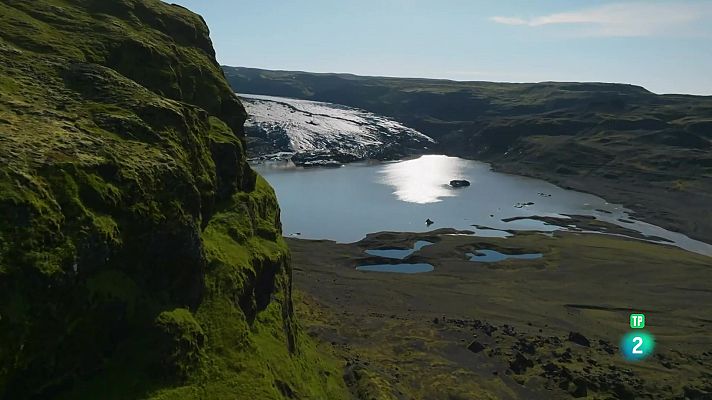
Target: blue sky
{"points": [[665, 46]]}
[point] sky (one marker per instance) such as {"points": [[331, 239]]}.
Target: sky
{"points": [[663, 45]]}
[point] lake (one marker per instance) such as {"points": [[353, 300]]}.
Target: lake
{"points": [[346, 203]]}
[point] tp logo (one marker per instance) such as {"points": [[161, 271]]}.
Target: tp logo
{"points": [[637, 345], [637, 321]]}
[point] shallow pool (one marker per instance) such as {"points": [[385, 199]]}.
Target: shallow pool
{"points": [[494, 256], [398, 253]]}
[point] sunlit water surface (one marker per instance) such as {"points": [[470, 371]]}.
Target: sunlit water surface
{"points": [[346, 203]]}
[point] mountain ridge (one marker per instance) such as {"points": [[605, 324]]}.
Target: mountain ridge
{"points": [[447, 80]]}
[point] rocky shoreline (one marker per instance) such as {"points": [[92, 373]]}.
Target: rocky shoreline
{"points": [[686, 212]]}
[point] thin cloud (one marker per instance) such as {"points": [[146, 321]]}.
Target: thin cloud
{"points": [[629, 19], [510, 20]]}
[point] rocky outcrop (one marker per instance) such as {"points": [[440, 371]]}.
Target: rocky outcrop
{"points": [[457, 183], [140, 256]]}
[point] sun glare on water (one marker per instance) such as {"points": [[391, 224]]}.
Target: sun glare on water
{"points": [[425, 179]]}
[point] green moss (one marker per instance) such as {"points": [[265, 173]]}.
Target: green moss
{"points": [[368, 385], [183, 339], [253, 347], [220, 133], [112, 284], [257, 364], [140, 256]]}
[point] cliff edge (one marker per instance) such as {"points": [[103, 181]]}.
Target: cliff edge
{"points": [[140, 256]]}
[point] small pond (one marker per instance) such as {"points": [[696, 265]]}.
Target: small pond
{"points": [[494, 256], [398, 253]]}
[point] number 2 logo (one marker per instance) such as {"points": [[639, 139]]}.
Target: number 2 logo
{"points": [[639, 342], [637, 345]]}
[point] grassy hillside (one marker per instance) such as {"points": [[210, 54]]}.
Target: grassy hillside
{"points": [[140, 256], [650, 152], [503, 330]]}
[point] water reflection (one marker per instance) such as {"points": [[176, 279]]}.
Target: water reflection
{"points": [[425, 179], [344, 204]]}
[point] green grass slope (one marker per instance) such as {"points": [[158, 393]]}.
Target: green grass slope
{"points": [[651, 152], [140, 256]]}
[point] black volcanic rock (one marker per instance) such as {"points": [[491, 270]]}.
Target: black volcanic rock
{"points": [[579, 339], [475, 347], [520, 363], [457, 183]]}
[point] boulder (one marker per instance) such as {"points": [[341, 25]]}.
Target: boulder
{"points": [[519, 364], [579, 339], [476, 347], [456, 183]]}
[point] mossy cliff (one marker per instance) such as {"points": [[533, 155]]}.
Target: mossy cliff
{"points": [[140, 256]]}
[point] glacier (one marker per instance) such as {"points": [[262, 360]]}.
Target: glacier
{"points": [[318, 133]]}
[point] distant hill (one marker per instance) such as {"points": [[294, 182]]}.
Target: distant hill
{"points": [[621, 141]]}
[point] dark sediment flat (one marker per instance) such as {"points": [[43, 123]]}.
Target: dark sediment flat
{"points": [[590, 224], [518, 329], [685, 211]]}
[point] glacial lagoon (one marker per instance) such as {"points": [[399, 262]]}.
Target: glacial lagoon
{"points": [[346, 203]]}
